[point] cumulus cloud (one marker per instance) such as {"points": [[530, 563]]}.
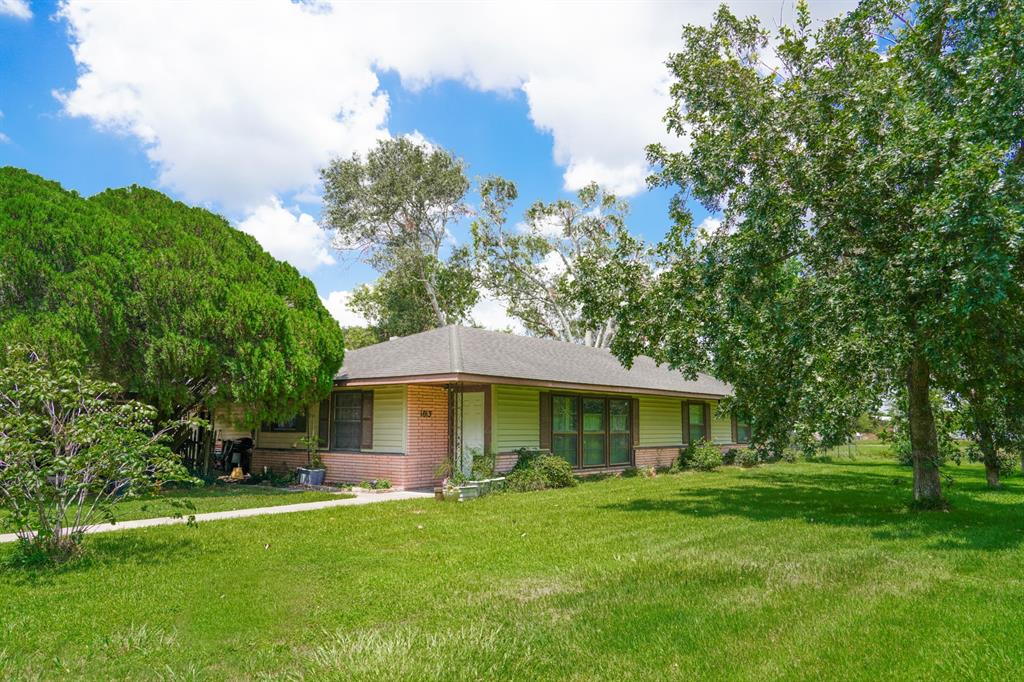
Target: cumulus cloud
{"points": [[18, 9], [237, 103], [233, 103], [337, 304], [289, 236], [493, 314]]}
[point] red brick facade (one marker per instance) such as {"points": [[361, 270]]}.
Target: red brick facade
{"points": [[655, 457], [426, 448]]}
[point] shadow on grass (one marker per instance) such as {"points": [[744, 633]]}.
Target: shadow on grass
{"points": [[104, 550], [853, 497]]}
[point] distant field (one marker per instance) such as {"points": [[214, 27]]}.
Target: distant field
{"points": [[801, 571]]}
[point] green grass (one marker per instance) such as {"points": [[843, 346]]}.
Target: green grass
{"points": [[215, 498], [793, 571], [211, 498]]}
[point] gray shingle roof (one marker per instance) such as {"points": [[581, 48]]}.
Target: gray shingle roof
{"points": [[457, 350]]}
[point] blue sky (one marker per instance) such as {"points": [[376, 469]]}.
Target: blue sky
{"points": [[236, 106]]}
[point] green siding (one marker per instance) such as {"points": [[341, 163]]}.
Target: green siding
{"points": [[389, 419], [721, 425], [515, 418], [388, 422], [661, 421]]}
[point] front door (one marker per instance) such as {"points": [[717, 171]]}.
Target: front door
{"points": [[472, 437]]}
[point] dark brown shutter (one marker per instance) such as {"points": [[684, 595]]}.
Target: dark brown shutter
{"points": [[733, 420], [686, 421], [545, 421], [634, 420], [323, 423], [707, 422], [366, 436]]}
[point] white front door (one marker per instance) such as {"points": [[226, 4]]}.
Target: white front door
{"points": [[472, 440]]}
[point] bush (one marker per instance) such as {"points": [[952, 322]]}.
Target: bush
{"points": [[746, 458], [536, 470], [72, 448], [524, 480], [484, 465], [703, 456]]}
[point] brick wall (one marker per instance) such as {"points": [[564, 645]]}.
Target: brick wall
{"points": [[427, 439], [656, 457]]}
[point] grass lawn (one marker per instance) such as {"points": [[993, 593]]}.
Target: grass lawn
{"points": [[795, 571], [211, 498], [214, 498]]}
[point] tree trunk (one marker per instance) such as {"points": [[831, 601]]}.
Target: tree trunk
{"points": [[924, 444], [988, 451], [435, 304]]}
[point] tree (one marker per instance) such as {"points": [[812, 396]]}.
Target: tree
{"points": [[359, 337], [399, 305], [71, 449], [539, 270], [396, 206], [166, 300], [869, 177]]}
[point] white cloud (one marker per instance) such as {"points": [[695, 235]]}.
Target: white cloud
{"points": [[4, 139], [493, 314], [296, 238], [233, 103], [237, 103], [337, 304], [18, 9]]}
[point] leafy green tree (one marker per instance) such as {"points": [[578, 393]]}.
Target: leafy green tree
{"points": [[869, 176], [399, 305], [396, 207], [359, 337], [167, 300], [72, 448], [540, 270]]}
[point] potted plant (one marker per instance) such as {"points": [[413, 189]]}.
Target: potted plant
{"points": [[314, 472]]}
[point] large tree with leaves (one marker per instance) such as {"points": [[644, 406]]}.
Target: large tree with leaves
{"points": [[399, 305], [396, 206], [167, 300], [869, 174], [544, 268]]}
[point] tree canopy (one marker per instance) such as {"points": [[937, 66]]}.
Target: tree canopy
{"points": [[547, 268], [395, 206], [167, 300], [398, 304], [869, 175]]}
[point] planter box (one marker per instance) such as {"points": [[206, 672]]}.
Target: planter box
{"points": [[311, 476], [471, 489]]}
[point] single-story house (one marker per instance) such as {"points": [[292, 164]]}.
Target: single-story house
{"points": [[399, 408]]}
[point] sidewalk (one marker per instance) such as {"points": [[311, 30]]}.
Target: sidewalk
{"points": [[359, 499]]}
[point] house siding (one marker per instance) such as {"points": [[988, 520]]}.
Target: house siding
{"points": [[721, 426], [227, 423], [515, 418], [660, 421]]}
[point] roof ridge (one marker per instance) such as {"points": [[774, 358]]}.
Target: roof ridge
{"points": [[454, 348]]}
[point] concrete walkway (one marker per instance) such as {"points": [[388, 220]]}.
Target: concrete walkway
{"points": [[359, 499]]}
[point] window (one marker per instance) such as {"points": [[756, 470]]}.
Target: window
{"points": [[347, 420], [296, 424], [565, 427], [590, 431], [323, 424], [741, 431], [696, 422], [618, 432]]}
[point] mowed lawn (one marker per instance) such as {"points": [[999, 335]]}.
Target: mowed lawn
{"points": [[794, 571], [212, 498]]}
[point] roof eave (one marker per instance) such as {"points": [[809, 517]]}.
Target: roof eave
{"points": [[519, 381]]}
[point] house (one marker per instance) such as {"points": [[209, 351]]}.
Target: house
{"points": [[400, 407]]}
